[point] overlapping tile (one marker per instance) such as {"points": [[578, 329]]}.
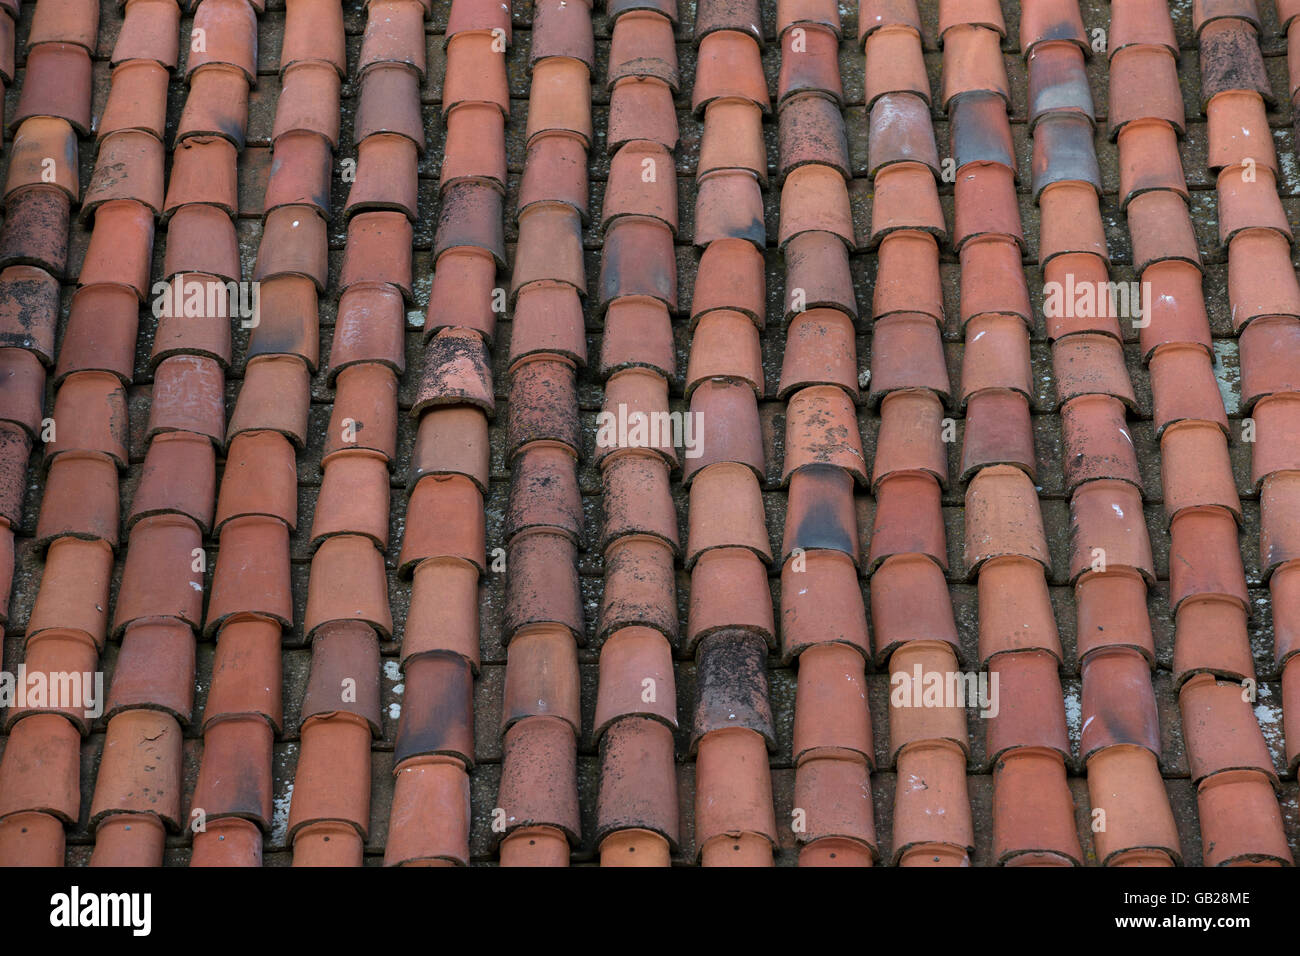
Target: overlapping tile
{"points": [[1233, 770], [542, 717], [346, 613], [908, 552], [250, 599], [730, 625], [823, 617], [444, 548], [83, 438], [636, 702], [1270, 358], [1006, 547], [1110, 553]]}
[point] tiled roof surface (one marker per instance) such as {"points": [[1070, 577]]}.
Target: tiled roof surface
{"points": [[373, 579]]}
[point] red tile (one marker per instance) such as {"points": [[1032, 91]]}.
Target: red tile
{"points": [[309, 101], [230, 35], [217, 105], [150, 31], [728, 65], [733, 138], [1143, 23], [137, 98], [56, 83], [894, 62], [972, 62]]}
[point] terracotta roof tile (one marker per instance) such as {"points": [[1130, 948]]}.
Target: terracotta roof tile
{"points": [[1016, 613], [36, 140], [900, 132], [119, 252], [902, 255], [1181, 374], [1231, 59], [1141, 23], [300, 173], [902, 202], [637, 816], [80, 499], [554, 169], [874, 15], [219, 104], [461, 294], [923, 835], [815, 198], [129, 167], [1149, 160], [150, 31], [982, 13], [741, 16], [230, 29], [1113, 612], [1078, 299], [998, 432], [641, 107], [726, 344], [820, 350], [730, 277], [1052, 21], [729, 426], [1063, 153], [56, 84], [1144, 85], [545, 493], [1110, 554], [791, 13], [910, 602], [1033, 811], [894, 62], [1058, 82], [545, 402], [809, 63], [179, 476], [1240, 819], [728, 65], [1236, 118], [637, 331], [637, 500]]}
